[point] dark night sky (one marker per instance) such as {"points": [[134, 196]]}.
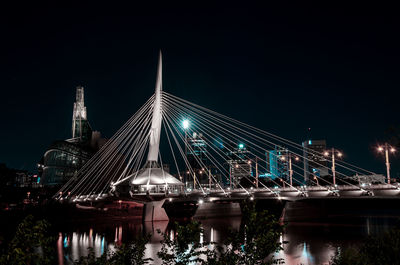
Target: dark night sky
{"points": [[280, 68]]}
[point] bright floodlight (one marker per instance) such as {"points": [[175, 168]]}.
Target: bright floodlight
{"points": [[326, 153], [241, 146], [185, 124], [380, 148], [392, 150], [297, 158], [339, 154]]}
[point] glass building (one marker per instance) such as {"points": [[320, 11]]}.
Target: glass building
{"points": [[64, 158]]}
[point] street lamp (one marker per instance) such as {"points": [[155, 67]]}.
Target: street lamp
{"points": [[289, 158], [316, 179], [339, 154], [185, 126], [387, 148]]}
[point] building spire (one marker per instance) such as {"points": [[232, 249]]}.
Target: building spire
{"points": [[79, 114], [155, 129]]}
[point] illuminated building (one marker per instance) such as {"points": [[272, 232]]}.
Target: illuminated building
{"points": [[240, 167], [196, 154], [277, 163], [65, 157], [197, 157], [316, 163]]}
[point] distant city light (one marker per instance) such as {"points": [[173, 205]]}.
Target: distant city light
{"points": [[339, 154], [185, 124], [296, 158], [326, 153], [241, 146]]}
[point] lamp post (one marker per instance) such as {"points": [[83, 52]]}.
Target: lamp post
{"points": [[296, 158], [316, 179], [209, 178], [333, 151], [289, 158], [256, 172], [185, 126], [387, 148]]}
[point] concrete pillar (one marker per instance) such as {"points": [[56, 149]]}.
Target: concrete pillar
{"points": [[153, 211], [211, 209]]}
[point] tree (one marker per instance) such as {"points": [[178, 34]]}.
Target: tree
{"points": [[183, 249], [126, 254], [253, 244], [32, 244], [376, 250]]}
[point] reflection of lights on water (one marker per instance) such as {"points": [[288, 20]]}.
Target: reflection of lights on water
{"points": [[75, 247], [97, 245], [102, 245], [60, 249], [90, 236], [306, 255], [78, 241], [65, 242]]}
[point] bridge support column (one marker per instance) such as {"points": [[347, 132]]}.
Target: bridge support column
{"points": [[211, 209], [153, 211]]}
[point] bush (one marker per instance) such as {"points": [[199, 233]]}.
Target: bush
{"points": [[377, 250], [126, 254], [32, 244], [254, 243]]}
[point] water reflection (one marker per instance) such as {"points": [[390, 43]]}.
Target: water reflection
{"points": [[308, 243]]}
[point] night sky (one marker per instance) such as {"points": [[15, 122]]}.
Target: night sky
{"points": [[283, 69]]}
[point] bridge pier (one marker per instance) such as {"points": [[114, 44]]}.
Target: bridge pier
{"points": [[154, 211], [213, 210]]}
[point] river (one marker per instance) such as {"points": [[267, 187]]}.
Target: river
{"points": [[308, 243]]}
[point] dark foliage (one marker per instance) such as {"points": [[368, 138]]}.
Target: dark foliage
{"points": [[126, 254], [32, 244], [254, 243], [378, 250]]}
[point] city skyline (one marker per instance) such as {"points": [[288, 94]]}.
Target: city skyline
{"points": [[229, 77]]}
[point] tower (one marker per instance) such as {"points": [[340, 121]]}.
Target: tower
{"points": [[152, 178], [81, 131]]}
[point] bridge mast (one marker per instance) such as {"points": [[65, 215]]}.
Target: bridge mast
{"points": [[156, 119]]}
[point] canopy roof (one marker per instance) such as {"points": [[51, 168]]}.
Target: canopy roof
{"points": [[153, 174]]}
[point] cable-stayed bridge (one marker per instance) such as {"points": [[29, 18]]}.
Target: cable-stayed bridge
{"points": [[215, 158]]}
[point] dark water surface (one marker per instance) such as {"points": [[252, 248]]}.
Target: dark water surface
{"points": [[308, 243]]}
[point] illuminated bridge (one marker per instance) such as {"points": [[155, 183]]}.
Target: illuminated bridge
{"points": [[216, 159]]}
